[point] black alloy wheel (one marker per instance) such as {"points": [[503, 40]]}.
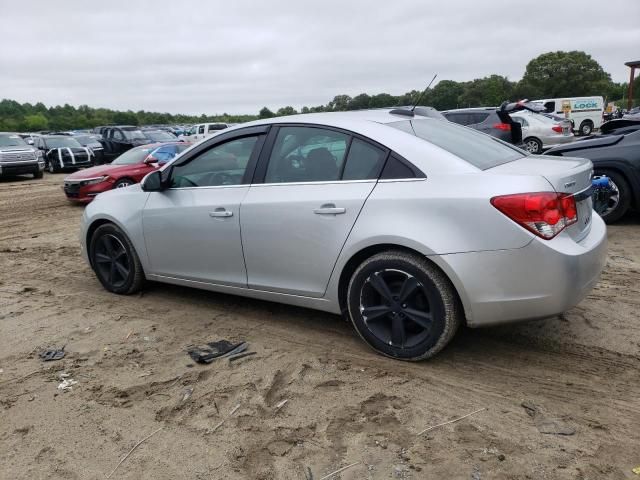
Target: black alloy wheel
{"points": [[115, 261], [402, 305]]}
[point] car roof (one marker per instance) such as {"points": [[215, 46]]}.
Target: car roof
{"points": [[373, 124], [471, 109]]}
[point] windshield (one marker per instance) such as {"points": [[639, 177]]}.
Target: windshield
{"points": [[159, 136], [12, 141], [62, 142], [480, 150], [135, 155], [86, 139], [134, 135]]}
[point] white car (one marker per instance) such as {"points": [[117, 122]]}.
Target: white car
{"points": [[540, 132], [203, 130]]}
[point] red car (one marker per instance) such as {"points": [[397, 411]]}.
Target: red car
{"points": [[129, 168]]}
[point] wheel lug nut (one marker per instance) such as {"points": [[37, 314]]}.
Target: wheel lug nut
{"points": [[404, 305]]}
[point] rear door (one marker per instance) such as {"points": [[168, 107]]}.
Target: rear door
{"points": [[310, 187]]}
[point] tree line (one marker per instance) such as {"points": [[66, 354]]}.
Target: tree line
{"points": [[550, 75]]}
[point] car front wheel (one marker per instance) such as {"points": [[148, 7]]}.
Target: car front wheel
{"points": [[403, 306], [586, 128], [620, 200], [115, 261]]}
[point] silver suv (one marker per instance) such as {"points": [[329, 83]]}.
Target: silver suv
{"points": [[17, 157]]}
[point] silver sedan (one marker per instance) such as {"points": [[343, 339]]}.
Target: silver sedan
{"points": [[540, 132], [407, 225]]}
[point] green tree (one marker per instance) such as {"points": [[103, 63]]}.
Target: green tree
{"points": [[564, 74], [265, 113], [286, 111], [382, 100], [339, 103], [445, 95], [486, 92], [32, 123]]}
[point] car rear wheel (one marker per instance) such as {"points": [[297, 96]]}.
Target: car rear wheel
{"points": [[115, 261], [123, 182], [51, 167], [620, 200], [403, 306], [586, 128], [533, 145]]}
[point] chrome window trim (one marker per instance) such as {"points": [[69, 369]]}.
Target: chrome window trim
{"points": [[393, 180]]}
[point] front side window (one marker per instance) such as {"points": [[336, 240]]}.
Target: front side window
{"points": [[134, 135], [305, 154], [117, 135], [221, 165]]}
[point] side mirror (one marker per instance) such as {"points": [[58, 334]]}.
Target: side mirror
{"points": [[152, 182], [150, 159]]}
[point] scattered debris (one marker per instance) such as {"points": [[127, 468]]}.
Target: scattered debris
{"points": [[234, 409], [134, 447], [450, 421], [339, 470], [546, 424], [52, 354], [209, 352], [67, 383], [636, 470], [187, 394], [308, 474], [238, 356], [145, 374], [281, 404]]}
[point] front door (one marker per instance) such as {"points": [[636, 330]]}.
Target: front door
{"points": [[192, 229], [296, 222]]}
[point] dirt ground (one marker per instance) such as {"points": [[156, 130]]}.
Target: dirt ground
{"points": [[577, 375]]}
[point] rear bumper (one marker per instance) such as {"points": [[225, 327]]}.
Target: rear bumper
{"points": [[542, 279]]}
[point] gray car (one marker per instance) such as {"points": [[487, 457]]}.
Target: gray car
{"points": [[408, 225]]}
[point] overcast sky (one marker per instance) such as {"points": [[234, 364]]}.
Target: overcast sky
{"points": [[236, 56]]}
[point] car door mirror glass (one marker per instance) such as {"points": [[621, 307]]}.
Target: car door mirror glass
{"points": [[152, 182]]}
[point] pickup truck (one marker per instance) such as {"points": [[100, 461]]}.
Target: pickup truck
{"points": [[203, 130], [17, 157]]}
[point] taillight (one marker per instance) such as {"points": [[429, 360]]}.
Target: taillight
{"points": [[502, 126], [557, 128], [544, 213]]}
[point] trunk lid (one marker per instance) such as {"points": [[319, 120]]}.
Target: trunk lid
{"points": [[566, 175]]}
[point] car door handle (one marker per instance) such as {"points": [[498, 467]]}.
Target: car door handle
{"points": [[329, 209], [221, 212]]}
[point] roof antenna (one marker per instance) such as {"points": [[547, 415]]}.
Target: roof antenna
{"points": [[423, 92]]}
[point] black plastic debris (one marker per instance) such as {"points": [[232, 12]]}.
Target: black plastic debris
{"points": [[52, 354], [209, 352]]}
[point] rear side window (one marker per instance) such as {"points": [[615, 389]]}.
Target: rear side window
{"points": [[364, 161], [459, 118], [395, 169], [478, 117], [306, 154], [480, 150]]}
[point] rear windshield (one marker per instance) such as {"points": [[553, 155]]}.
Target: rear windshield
{"points": [[480, 150]]}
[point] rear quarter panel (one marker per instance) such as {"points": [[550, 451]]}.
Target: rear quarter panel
{"points": [[440, 215]]}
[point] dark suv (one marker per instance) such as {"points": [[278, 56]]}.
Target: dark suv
{"points": [[118, 139], [493, 121]]}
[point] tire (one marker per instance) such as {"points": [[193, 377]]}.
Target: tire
{"points": [[112, 254], [123, 182], [430, 294], [51, 167], [586, 128], [533, 145], [38, 174], [621, 204]]}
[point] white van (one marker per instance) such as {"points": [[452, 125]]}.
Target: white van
{"points": [[585, 113], [203, 130]]}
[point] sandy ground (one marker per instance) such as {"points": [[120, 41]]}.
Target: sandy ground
{"points": [[345, 404]]}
